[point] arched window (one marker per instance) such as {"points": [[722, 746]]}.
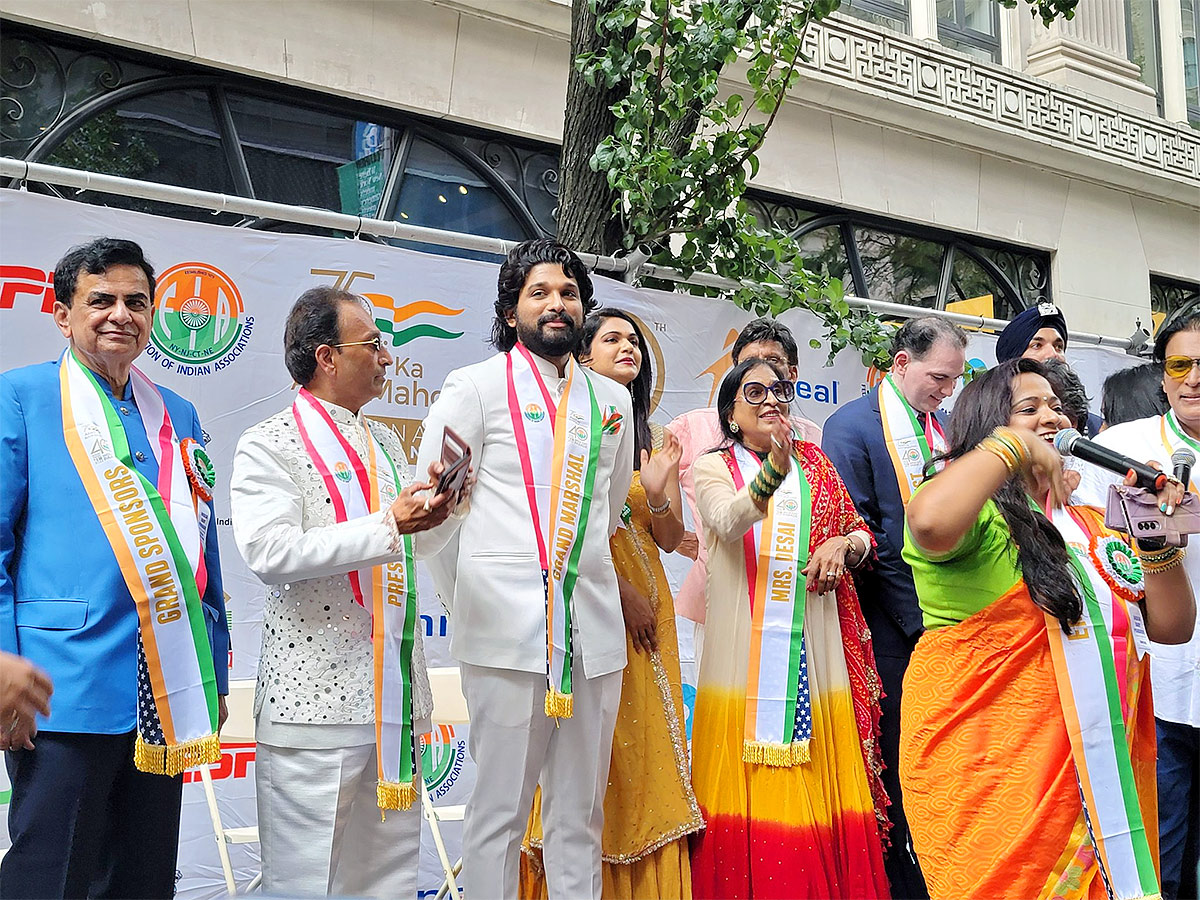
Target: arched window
{"points": [[89, 106], [899, 262]]}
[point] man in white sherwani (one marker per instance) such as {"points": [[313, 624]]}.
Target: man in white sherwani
{"points": [[322, 515], [535, 614]]}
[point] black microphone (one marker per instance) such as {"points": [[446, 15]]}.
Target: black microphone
{"points": [[1070, 442], [1183, 459]]}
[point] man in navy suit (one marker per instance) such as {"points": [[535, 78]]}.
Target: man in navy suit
{"points": [[881, 444], [86, 818]]}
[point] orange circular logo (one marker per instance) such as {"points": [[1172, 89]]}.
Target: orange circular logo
{"points": [[198, 313]]}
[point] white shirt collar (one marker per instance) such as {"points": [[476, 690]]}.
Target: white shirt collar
{"points": [[546, 367], [341, 415]]}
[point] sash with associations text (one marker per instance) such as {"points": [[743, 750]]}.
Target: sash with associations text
{"points": [[359, 489]]}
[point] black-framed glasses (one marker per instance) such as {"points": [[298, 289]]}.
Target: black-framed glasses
{"points": [[755, 392], [375, 343]]}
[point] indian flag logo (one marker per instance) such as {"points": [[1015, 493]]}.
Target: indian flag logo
{"points": [[534, 413], [341, 471], [391, 318]]}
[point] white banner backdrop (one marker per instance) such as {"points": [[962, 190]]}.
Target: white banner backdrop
{"points": [[222, 298]]}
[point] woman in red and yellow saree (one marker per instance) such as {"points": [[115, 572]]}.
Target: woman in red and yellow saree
{"points": [[785, 760], [1027, 734]]}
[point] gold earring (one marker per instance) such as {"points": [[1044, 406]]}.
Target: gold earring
{"points": [[733, 426]]}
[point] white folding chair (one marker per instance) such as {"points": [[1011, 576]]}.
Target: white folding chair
{"points": [[449, 708], [239, 728]]}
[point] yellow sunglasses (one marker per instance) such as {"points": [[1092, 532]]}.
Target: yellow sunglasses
{"points": [[1179, 366]]}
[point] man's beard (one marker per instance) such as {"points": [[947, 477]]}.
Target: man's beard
{"points": [[550, 345]]}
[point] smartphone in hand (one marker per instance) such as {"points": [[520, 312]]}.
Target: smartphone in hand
{"points": [[456, 458]]}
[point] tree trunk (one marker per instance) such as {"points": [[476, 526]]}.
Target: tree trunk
{"points": [[586, 221]]}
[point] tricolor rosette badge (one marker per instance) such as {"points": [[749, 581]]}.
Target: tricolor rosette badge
{"points": [[201, 473]]}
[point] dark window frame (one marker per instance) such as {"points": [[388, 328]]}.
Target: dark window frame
{"points": [[190, 76], [957, 31], [888, 9], [813, 216]]}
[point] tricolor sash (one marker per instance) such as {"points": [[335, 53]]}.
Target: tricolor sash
{"points": [[1174, 437], [359, 489], [1091, 666], [778, 703], [155, 534], [559, 447], [910, 446]]}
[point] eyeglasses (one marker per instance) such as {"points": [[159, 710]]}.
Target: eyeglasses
{"points": [[755, 392], [1179, 367], [777, 361], [375, 343]]}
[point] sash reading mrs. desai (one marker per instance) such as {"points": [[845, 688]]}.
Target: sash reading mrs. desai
{"points": [[358, 490], [155, 534], [778, 703], [1090, 666], [910, 446], [559, 448]]}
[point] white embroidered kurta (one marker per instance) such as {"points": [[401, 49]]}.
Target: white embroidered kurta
{"points": [[317, 665]]}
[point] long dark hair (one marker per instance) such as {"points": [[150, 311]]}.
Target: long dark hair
{"points": [[639, 388], [983, 405], [727, 395]]}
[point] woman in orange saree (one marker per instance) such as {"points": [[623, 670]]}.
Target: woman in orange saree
{"points": [[1027, 735]]}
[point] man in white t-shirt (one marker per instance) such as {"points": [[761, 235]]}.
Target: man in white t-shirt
{"points": [[1175, 673]]}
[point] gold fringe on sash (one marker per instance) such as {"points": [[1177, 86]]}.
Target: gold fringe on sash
{"points": [[393, 795], [559, 706], [160, 759], [769, 753]]}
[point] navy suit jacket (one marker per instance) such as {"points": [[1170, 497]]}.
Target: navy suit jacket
{"points": [[63, 603], [853, 439]]}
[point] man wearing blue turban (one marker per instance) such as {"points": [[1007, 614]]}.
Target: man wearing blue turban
{"points": [[1039, 332]]}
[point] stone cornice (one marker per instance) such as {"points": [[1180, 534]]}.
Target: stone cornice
{"points": [[929, 77]]}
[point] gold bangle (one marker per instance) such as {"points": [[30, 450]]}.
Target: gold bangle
{"points": [[1000, 451], [1015, 442], [1157, 566], [1008, 446], [852, 547]]}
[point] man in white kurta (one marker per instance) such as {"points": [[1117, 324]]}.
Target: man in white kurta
{"points": [[1175, 668], [316, 768], [499, 598]]}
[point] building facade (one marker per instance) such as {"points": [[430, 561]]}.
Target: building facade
{"points": [[939, 153]]}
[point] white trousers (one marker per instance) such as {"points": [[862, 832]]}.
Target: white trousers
{"points": [[320, 830], [514, 743]]}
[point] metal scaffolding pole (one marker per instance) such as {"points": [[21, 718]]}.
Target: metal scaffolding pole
{"points": [[625, 268]]}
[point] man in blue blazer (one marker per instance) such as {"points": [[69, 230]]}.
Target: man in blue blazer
{"points": [[84, 820], [880, 445]]}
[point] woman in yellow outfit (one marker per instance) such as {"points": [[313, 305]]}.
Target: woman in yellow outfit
{"points": [[649, 808]]}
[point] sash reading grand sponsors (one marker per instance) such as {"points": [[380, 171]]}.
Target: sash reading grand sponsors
{"points": [[138, 522]]}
